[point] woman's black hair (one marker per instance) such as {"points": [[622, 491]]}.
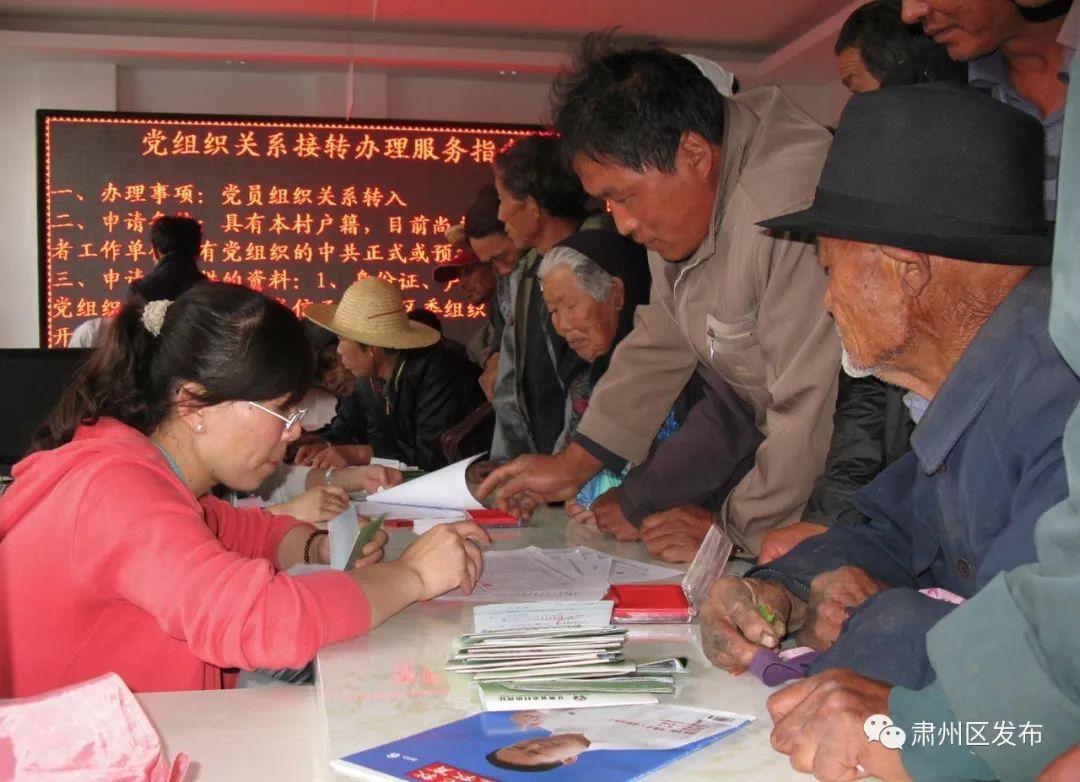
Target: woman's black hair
{"points": [[493, 760], [233, 343]]}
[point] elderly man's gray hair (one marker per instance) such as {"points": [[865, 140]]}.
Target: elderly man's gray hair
{"points": [[590, 277]]}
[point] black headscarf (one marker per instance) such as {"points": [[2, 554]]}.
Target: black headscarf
{"points": [[620, 257]]}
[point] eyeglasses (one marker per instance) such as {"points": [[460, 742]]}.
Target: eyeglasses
{"points": [[289, 421]]}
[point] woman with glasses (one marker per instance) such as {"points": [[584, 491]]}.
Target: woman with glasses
{"points": [[115, 556]]}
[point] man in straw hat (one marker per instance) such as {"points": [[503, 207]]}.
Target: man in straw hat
{"points": [[411, 387], [936, 284]]}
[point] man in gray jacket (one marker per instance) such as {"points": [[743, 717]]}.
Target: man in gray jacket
{"points": [[688, 173]]}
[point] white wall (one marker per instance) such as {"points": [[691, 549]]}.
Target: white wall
{"points": [[215, 92], [467, 100], [24, 88]]}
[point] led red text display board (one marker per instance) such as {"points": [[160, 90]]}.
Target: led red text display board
{"points": [[295, 208]]}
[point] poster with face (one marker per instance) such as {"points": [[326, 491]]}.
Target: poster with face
{"points": [[599, 744]]}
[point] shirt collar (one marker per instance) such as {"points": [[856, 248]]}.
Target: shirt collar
{"points": [[989, 71], [971, 382], [739, 126], [986, 73]]}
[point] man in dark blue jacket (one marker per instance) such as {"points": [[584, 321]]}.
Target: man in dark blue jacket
{"points": [[933, 286]]}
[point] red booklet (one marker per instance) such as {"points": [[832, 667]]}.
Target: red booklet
{"points": [[485, 517], [649, 603], [490, 517]]}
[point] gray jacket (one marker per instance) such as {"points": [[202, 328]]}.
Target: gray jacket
{"points": [[744, 310]]}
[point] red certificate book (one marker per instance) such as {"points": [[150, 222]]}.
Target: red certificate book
{"points": [[644, 603]]}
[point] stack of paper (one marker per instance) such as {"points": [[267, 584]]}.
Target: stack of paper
{"points": [[526, 651], [548, 615], [559, 668], [555, 574]]}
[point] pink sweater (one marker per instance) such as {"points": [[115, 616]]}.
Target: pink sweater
{"points": [[109, 563]]}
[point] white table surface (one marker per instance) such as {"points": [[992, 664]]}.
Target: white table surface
{"points": [[391, 683], [270, 734]]}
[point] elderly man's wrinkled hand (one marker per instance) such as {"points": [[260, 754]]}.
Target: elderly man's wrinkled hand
{"points": [[610, 518], [833, 596], [675, 535], [820, 724], [745, 615]]}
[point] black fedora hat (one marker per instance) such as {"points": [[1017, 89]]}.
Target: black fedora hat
{"points": [[936, 168]]}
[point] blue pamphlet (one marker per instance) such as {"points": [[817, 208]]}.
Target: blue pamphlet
{"points": [[598, 744]]}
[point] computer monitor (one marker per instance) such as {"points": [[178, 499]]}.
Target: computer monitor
{"points": [[31, 381]]}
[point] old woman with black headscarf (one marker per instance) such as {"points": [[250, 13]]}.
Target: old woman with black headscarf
{"points": [[592, 283]]}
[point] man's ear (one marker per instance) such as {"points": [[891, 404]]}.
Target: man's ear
{"points": [[697, 154], [618, 293], [532, 206], [913, 269]]}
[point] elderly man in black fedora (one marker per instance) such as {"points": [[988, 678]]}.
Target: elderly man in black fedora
{"points": [[935, 284]]}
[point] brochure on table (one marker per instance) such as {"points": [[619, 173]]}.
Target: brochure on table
{"points": [[615, 744]]}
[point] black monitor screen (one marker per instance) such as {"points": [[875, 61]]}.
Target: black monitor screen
{"points": [[296, 208], [31, 381]]}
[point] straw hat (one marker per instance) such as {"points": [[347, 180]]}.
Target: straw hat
{"points": [[371, 312]]}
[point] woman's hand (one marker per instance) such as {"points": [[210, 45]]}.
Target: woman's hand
{"points": [[441, 559], [372, 478], [320, 503], [446, 557], [373, 552]]}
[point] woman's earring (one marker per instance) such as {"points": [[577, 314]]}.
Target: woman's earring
{"points": [[200, 428]]}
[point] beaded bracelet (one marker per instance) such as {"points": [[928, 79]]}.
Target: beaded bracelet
{"points": [[311, 539]]}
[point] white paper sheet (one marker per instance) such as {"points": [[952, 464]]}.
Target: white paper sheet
{"points": [[534, 574], [627, 571], [445, 488], [343, 531], [519, 616]]}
